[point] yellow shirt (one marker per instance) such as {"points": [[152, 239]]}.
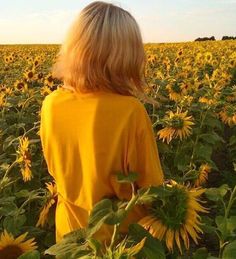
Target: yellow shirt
{"points": [[86, 139]]}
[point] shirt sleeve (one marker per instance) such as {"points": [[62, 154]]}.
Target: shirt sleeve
{"points": [[43, 132], [143, 156]]}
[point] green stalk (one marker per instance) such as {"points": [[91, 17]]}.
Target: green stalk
{"points": [[202, 118], [231, 201], [128, 207]]}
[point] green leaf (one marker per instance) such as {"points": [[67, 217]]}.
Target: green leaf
{"points": [[211, 138], [215, 194], [201, 253], [94, 244], [223, 189], [100, 212], [130, 178], [7, 206], [221, 223], [231, 224], [22, 193], [203, 151], [76, 236], [152, 248], [30, 255], [116, 217], [207, 225], [230, 250], [65, 249], [232, 140], [213, 122], [14, 224]]}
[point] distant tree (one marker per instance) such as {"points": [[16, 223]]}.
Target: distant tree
{"points": [[228, 38], [205, 38]]}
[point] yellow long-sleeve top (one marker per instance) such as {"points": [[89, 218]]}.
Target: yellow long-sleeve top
{"points": [[87, 138]]}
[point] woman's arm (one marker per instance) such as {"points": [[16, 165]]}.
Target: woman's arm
{"points": [[144, 156]]}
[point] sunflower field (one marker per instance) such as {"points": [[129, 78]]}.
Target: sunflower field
{"points": [[192, 215]]}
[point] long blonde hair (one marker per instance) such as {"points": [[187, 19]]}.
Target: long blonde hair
{"points": [[103, 50]]}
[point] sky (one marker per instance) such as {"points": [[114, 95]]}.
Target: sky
{"points": [[47, 21]]}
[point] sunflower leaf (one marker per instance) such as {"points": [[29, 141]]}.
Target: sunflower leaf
{"points": [[230, 250], [130, 178], [201, 253], [100, 212], [152, 248], [30, 255]]}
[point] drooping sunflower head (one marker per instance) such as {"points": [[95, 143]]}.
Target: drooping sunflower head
{"points": [[52, 188], [202, 172], [174, 215], [2, 100], [23, 150], [24, 159], [228, 115], [51, 200], [176, 125], [176, 90], [12, 248]]}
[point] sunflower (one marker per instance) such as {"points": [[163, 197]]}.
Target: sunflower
{"points": [[6, 60], [232, 96], [24, 159], [174, 216], [29, 75], [206, 100], [21, 85], [39, 76], [2, 100], [52, 197], [12, 248], [228, 115], [9, 91], [203, 172], [45, 90], [36, 62], [176, 90], [208, 57], [180, 52], [49, 80], [177, 125]]}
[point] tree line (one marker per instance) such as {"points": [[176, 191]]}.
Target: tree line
{"points": [[213, 38]]}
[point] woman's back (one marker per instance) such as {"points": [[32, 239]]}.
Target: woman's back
{"points": [[86, 139]]}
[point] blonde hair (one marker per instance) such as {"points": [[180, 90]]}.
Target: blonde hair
{"points": [[103, 50]]}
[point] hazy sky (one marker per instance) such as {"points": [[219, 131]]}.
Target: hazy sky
{"points": [[46, 21]]}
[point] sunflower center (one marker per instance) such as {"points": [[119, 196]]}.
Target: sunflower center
{"points": [[177, 122], [30, 74], [230, 111], [11, 252], [176, 88], [172, 209]]}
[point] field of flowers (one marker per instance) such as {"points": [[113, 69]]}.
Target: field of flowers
{"points": [[193, 215]]}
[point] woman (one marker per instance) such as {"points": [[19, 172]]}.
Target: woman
{"points": [[95, 126]]}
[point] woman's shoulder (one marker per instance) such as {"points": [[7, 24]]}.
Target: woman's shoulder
{"points": [[56, 94], [63, 95]]}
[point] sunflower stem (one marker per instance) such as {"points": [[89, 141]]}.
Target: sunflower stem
{"points": [[9, 169], [128, 207], [202, 119], [230, 203], [115, 230]]}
